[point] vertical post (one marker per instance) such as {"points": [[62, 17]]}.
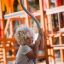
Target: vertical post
{"points": [[44, 29], [26, 6], [50, 29], [11, 29], [60, 41]]}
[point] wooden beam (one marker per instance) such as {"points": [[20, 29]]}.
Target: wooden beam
{"points": [[55, 10], [20, 14]]}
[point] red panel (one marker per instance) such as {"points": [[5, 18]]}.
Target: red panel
{"points": [[58, 2], [0, 31]]}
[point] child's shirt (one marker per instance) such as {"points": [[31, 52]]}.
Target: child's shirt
{"points": [[21, 57]]}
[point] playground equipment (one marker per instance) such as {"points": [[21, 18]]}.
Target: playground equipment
{"points": [[44, 50]]}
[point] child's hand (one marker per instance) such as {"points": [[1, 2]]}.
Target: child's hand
{"points": [[40, 32], [37, 42]]}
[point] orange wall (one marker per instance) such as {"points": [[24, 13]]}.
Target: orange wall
{"points": [[8, 4]]}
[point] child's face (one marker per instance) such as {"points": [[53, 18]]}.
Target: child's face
{"points": [[29, 40]]}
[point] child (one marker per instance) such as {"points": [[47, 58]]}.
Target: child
{"points": [[27, 51]]}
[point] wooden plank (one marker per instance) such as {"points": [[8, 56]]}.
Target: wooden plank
{"points": [[55, 10], [20, 14]]}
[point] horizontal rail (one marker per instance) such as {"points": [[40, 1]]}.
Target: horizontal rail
{"points": [[7, 39], [20, 14], [55, 10]]}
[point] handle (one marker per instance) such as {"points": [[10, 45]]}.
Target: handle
{"points": [[36, 21]]}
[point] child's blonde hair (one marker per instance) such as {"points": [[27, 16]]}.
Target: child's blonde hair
{"points": [[22, 32]]}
